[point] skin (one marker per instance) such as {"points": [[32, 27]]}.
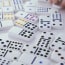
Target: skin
{"points": [[62, 4]]}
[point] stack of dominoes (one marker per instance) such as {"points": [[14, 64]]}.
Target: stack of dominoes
{"points": [[30, 24]]}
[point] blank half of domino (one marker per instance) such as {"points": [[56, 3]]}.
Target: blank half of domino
{"points": [[21, 34], [5, 24]]}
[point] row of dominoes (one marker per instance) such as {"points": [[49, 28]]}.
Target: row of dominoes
{"points": [[47, 22]]}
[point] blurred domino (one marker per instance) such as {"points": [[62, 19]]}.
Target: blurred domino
{"points": [[5, 24], [57, 20], [21, 34], [45, 23], [20, 22], [45, 39], [29, 17], [6, 3], [8, 9], [18, 5], [30, 6], [12, 55], [8, 16], [12, 45]]}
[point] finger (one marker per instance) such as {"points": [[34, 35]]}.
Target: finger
{"points": [[51, 1], [63, 4], [55, 2]]}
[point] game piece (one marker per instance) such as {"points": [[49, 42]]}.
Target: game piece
{"points": [[58, 56], [45, 23], [22, 34]]}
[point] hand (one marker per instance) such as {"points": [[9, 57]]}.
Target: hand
{"points": [[61, 3]]}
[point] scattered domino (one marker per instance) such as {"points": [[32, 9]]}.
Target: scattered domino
{"points": [[8, 9], [58, 43], [43, 10], [30, 6], [20, 22], [18, 5], [5, 24], [57, 21], [21, 34], [27, 16], [8, 16], [12, 55], [45, 39], [12, 45], [33, 60], [45, 23], [58, 56], [37, 51]]}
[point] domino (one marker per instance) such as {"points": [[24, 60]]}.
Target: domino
{"points": [[4, 61], [29, 17], [30, 4], [20, 14], [45, 39], [13, 55], [0, 3], [45, 1], [1, 15], [18, 63], [33, 60], [18, 5], [8, 16], [32, 18], [37, 51], [8, 9], [30, 9], [21, 34], [45, 23], [15, 45], [20, 22], [58, 43], [31, 27], [57, 22], [43, 10], [6, 3], [12, 45], [58, 56], [5, 24]]}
